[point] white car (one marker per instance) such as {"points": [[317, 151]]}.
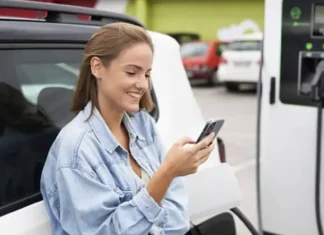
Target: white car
{"points": [[240, 63], [36, 77]]}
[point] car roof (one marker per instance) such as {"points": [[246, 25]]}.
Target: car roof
{"points": [[27, 31], [249, 37], [61, 23]]}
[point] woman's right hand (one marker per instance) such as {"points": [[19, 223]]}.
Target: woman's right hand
{"points": [[184, 157]]}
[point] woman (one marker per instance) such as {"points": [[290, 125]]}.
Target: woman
{"points": [[107, 172]]}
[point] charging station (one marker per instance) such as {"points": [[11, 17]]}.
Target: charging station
{"points": [[291, 185]]}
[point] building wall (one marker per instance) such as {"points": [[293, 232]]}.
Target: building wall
{"points": [[205, 17], [209, 18]]}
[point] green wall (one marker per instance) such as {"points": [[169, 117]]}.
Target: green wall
{"points": [[202, 16]]}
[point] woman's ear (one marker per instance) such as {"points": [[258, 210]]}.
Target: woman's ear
{"points": [[96, 65]]}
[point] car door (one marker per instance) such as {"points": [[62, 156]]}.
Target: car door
{"points": [[35, 98]]}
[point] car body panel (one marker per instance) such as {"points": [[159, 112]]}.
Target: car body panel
{"points": [[179, 115], [201, 58], [241, 64]]}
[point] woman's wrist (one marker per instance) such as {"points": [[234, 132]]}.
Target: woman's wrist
{"points": [[168, 170], [160, 182]]}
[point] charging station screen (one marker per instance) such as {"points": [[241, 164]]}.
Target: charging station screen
{"points": [[319, 14], [318, 21]]}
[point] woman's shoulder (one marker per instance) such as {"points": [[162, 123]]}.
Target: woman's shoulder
{"points": [[70, 141]]}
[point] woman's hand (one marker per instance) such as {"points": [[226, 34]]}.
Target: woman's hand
{"points": [[184, 157]]}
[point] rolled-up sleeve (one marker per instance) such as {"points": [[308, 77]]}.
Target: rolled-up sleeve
{"points": [[176, 199], [89, 207]]}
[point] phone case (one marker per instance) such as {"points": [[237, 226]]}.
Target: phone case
{"points": [[211, 126]]}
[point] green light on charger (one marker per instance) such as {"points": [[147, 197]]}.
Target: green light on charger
{"points": [[301, 24], [309, 46], [295, 13]]}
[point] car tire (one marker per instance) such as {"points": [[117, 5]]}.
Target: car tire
{"points": [[232, 86], [213, 79]]}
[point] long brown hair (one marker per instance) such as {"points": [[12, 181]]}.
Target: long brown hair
{"points": [[107, 43]]}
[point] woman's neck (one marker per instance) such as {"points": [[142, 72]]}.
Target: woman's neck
{"points": [[112, 116]]}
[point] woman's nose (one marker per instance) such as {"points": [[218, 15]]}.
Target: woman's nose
{"points": [[142, 83]]}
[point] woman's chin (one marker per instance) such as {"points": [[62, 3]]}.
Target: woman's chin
{"points": [[133, 108]]}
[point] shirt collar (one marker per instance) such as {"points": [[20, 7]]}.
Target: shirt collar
{"points": [[102, 131], [132, 129]]}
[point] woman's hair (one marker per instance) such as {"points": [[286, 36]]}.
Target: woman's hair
{"points": [[107, 44]]}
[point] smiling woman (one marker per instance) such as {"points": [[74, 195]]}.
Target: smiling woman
{"points": [[107, 172]]}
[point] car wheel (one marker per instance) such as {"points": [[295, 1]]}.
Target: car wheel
{"points": [[213, 79], [232, 86]]}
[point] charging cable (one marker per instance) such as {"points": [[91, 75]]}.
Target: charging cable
{"points": [[245, 221], [317, 86], [318, 168]]}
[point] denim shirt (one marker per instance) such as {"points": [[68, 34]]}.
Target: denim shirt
{"points": [[89, 187]]}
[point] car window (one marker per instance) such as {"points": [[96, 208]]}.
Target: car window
{"points": [[36, 87], [248, 45], [35, 77], [220, 48], [194, 49]]}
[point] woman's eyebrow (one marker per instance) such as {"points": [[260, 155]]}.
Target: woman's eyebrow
{"points": [[137, 67]]}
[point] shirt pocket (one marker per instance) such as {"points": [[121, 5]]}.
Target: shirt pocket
{"points": [[124, 195]]}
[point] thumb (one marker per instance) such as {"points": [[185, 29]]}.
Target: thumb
{"points": [[185, 140]]}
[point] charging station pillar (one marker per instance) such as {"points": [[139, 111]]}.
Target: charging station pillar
{"points": [[293, 55]]}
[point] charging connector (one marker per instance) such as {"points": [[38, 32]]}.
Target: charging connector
{"points": [[317, 83]]}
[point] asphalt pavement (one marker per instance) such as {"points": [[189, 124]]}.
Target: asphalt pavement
{"points": [[239, 110]]}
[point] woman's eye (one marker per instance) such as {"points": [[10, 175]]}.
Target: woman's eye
{"points": [[147, 76], [130, 73]]}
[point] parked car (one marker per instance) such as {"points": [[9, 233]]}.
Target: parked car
{"points": [[183, 37], [240, 63], [201, 59], [40, 60]]}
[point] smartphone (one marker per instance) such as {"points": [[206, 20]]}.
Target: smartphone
{"points": [[211, 126]]}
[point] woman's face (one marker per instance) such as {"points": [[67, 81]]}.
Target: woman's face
{"points": [[123, 82]]}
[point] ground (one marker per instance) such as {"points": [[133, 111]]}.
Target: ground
{"points": [[239, 134]]}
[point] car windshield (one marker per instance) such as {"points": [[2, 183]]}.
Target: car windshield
{"points": [[194, 49], [247, 45]]}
